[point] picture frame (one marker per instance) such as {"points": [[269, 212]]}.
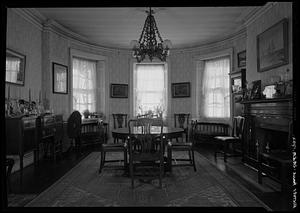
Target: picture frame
{"points": [[15, 67], [119, 90], [59, 78], [241, 58], [181, 90], [272, 47], [236, 83], [256, 90]]}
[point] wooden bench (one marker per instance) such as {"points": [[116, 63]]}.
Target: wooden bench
{"points": [[205, 131]]}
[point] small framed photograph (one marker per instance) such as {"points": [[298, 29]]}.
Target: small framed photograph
{"points": [[236, 84], [119, 90], [272, 47], [256, 90], [60, 78], [15, 67], [241, 56], [181, 90]]}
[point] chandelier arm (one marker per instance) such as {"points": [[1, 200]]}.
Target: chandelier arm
{"points": [[156, 30], [143, 31]]}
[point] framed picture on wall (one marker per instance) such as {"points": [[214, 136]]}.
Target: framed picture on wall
{"points": [[15, 67], [60, 78], [272, 47], [119, 90], [181, 90], [241, 56]]}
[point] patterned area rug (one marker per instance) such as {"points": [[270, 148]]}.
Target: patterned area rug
{"points": [[83, 186], [19, 200]]}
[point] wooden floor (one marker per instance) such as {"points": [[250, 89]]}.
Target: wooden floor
{"points": [[36, 180]]}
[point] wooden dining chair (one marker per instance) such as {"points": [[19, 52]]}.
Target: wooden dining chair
{"points": [[146, 150], [120, 121], [181, 120], [111, 148], [222, 143], [186, 148]]}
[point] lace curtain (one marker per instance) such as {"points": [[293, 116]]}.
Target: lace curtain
{"points": [[150, 89], [84, 85], [215, 88]]}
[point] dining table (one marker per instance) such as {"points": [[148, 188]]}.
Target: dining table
{"points": [[168, 132]]}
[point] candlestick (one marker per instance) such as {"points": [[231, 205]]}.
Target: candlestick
{"points": [[39, 96]]}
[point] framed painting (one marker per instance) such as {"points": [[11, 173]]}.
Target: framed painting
{"points": [[241, 56], [60, 78], [272, 47], [181, 90], [119, 90], [15, 67]]}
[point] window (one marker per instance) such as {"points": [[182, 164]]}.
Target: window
{"points": [[150, 88], [84, 84], [215, 88]]}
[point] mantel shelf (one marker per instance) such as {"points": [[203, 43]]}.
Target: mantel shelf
{"points": [[266, 100]]}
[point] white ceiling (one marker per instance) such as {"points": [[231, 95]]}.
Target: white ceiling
{"points": [[184, 26]]}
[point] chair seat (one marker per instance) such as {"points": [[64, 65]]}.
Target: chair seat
{"points": [[113, 147], [181, 144], [145, 156], [227, 138]]}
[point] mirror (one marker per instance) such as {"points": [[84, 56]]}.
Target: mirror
{"points": [[15, 67]]}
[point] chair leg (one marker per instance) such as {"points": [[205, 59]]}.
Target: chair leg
{"points": [[225, 148], [53, 152], [101, 161], [215, 149], [169, 159], [125, 160], [160, 175], [131, 175], [193, 156]]}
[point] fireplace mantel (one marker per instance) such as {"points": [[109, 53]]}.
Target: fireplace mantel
{"points": [[274, 114]]}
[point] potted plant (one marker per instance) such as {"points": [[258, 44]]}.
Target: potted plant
{"points": [[86, 113]]}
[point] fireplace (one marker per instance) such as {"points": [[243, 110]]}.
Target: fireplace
{"points": [[267, 127], [267, 146]]}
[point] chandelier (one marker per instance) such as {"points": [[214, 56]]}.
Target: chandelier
{"points": [[148, 43]]}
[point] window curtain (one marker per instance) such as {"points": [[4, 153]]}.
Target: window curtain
{"points": [[150, 89], [84, 85], [215, 88]]}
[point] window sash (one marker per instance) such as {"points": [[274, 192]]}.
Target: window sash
{"points": [[149, 80]]}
